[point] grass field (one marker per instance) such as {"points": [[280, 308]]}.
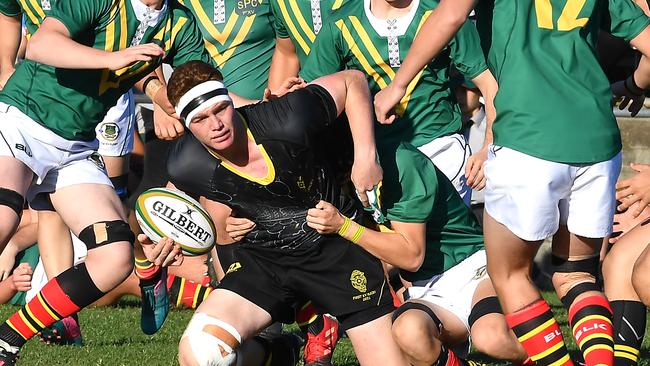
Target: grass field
{"points": [[113, 337]]}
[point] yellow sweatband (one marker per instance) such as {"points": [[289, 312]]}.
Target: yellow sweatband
{"points": [[345, 226]]}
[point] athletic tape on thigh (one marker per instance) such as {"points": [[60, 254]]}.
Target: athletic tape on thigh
{"points": [[106, 232], [120, 184], [13, 200], [417, 306], [208, 349], [567, 265], [488, 305], [576, 290]]}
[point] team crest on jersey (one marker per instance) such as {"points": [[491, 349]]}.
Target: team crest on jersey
{"points": [[359, 281], [109, 131], [480, 273], [97, 160], [247, 7], [234, 267]]}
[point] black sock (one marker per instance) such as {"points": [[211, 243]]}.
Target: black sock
{"points": [[629, 321]]}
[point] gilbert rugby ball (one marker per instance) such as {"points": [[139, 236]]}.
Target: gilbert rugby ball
{"points": [[163, 212]]}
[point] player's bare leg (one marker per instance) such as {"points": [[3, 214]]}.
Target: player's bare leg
{"points": [[575, 265], [14, 181], [54, 243], [629, 313], [490, 332], [640, 277], [509, 263], [374, 345]]}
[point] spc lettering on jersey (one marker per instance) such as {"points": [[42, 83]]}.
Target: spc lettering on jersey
{"points": [[180, 220], [247, 7]]}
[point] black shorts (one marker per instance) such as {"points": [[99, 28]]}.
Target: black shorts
{"points": [[338, 277]]}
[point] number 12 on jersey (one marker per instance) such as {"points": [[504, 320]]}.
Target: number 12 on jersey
{"points": [[568, 19]]}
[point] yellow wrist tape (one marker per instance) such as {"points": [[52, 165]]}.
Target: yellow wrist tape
{"points": [[345, 226]]}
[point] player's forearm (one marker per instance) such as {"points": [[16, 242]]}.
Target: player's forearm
{"points": [[358, 109], [69, 54], [10, 34], [391, 247], [488, 86], [284, 63], [437, 30], [7, 290]]}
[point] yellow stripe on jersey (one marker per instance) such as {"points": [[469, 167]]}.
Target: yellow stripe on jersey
{"points": [[30, 14], [347, 36], [301, 20], [337, 4], [403, 104], [220, 37], [123, 28], [365, 38], [38, 8], [292, 27], [239, 39], [544, 12]]}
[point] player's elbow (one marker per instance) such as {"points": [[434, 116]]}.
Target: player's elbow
{"points": [[413, 260]]}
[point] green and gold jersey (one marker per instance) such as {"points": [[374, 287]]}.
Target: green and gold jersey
{"points": [[33, 10], [415, 191], [554, 101], [356, 39], [302, 20], [240, 37], [71, 102]]}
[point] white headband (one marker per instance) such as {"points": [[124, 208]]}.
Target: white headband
{"points": [[201, 97]]}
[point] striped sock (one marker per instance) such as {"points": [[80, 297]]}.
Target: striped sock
{"points": [[540, 334], [62, 296], [144, 269], [591, 323], [629, 322], [186, 293]]}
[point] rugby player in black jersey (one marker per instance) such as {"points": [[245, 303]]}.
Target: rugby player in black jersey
{"points": [[266, 162]]}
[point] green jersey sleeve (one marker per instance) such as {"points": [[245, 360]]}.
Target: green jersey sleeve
{"points": [[466, 51], [625, 19], [410, 185], [10, 8], [278, 21], [80, 16], [327, 55], [189, 44]]}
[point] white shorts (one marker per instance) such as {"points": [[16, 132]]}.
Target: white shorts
{"points": [[454, 289], [532, 196], [55, 161], [115, 132], [450, 154]]}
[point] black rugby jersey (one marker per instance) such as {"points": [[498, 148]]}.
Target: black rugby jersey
{"points": [[291, 132]]}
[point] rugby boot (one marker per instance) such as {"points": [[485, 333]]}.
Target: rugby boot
{"points": [[319, 347], [155, 302], [65, 332], [8, 354]]}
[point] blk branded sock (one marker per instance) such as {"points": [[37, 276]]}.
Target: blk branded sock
{"points": [[590, 319], [186, 293], [62, 296], [540, 334]]}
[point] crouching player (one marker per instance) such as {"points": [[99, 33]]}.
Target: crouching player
{"points": [[265, 162], [438, 245]]}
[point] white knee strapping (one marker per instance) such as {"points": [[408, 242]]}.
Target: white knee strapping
{"points": [[206, 348]]}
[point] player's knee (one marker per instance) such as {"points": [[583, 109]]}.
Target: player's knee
{"points": [[491, 335], [208, 341], [416, 327], [615, 262], [106, 233]]}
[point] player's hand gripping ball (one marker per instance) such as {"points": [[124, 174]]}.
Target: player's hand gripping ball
{"points": [[163, 212]]}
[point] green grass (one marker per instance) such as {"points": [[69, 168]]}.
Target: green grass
{"points": [[113, 337]]}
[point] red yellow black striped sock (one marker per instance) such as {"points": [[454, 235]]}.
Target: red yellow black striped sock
{"points": [[62, 296], [186, 293], [591, 323], [144, 269], [540, 334], [306, 316]]}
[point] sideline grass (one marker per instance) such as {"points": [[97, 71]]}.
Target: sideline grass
{"points": [[113, 337]]}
